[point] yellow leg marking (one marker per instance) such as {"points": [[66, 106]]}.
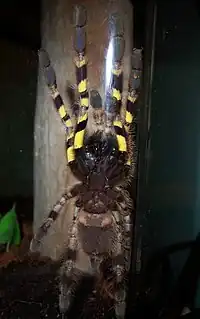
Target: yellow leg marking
{"points": [[129, 117], [116, 94], [122, 143], [85, 102], [118, 123], [69, 123], [62, 111], [132, 98], [70, 154], [79, 63], [78, 140], [70, 150], [117, 72], [82, 86]]}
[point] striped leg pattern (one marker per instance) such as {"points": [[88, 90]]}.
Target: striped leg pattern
{"points": [[53, 215], [81, 75], [134, 88]]}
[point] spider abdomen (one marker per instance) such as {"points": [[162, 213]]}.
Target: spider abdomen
{"points": [[95, 239]]}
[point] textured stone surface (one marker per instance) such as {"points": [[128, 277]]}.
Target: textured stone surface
{"points": [[51, 176]]}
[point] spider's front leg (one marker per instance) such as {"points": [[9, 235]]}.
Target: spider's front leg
{"points": [[114, 83]]}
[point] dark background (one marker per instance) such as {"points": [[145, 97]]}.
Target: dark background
{"points": [[20, 23], [19, 42]]}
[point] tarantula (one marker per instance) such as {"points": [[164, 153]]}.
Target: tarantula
{"points": [[102, 162]]}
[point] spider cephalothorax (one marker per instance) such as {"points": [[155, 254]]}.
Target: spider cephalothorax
{"points": [[101, 161]]}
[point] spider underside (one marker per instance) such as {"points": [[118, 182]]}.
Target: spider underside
{"points": [[103, 163]]}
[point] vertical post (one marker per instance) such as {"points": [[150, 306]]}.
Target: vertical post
{"points": [[51, 175]]}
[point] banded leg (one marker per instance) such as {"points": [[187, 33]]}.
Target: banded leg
{"points": [[69, 275], [125, 210], [50, 78], [81, 75], [115, 87], [134, 88], [120, 271], [133, 93], [53, 215]]}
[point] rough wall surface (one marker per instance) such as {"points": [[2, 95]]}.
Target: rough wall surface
{"points": [[51, 176]]}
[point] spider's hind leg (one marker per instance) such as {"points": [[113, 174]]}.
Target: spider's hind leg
{"points": [[119, 270], [112, 284], [69, 275], [70, 278]]}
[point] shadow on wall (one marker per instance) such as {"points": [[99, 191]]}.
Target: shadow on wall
{"points": [[18, 80]]}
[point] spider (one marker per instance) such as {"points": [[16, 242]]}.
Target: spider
{"points": [[102, 161]]}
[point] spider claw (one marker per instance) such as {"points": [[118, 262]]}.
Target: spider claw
{"points": [[119, 47], [80, 16], [34, 245], [116, 26]]}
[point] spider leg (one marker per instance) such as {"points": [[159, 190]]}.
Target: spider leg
{"points": [[50, 78], [133, 93], [70, 278], [119, 270], [128, 225], [134, 88], [69, 275], [125, 207], [114, 80], [53, 215], [81, 75], [114, 86]]}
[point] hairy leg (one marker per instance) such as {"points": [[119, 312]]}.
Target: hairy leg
{"points": [[53, 215], [69, 275], [70, 278], [119, 269]]}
